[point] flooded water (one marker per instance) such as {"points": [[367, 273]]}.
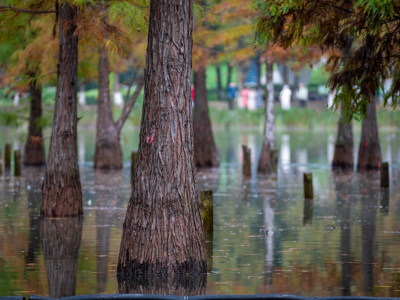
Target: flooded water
{"points": [[267, 238]]}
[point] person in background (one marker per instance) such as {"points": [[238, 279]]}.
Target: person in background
{"points": [[231, 95], [285, 96], [302, 95]]}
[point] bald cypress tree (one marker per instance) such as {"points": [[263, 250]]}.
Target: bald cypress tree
{"points": [[163, 231]]}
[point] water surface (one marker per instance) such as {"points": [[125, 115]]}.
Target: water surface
{"points": [[267, 238]]}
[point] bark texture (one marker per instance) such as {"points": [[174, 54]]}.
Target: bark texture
{"points": [[163, 232], [108, 154], [34, 147], [205, 151], [61, 240], [264, 162], [369, 151], [343, 157], [61, 190]]}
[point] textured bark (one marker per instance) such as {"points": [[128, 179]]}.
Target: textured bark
{"points": [[108, 154], [163, 232], [369, 151], [264, 162], [343, 157], [61, 190], [61, 240], [34, 147], [205, 151]]}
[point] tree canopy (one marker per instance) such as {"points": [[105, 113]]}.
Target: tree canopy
{"points": [[371, 28]]}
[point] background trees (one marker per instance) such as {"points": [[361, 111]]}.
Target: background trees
{"points": [[357, 74]]}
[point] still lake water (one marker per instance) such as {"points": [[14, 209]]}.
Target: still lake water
{"points": [[266, 239]]}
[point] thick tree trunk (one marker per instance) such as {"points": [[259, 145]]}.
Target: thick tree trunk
{"points": [[369, 151], [61, 190], [343, 157], [264, 162], [34, 147], [163, 232], [108, 154], [205, 151], [61, 240]]}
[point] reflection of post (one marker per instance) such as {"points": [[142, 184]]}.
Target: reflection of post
{"points": [[343, 188], [308, 211], [384, 205], [106, 199], [209, 249], [368, 228], [269, 241], [61, 240]]}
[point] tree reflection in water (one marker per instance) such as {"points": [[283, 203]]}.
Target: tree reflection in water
{"points": [[369, 207], [107, 186], [61, 240], [344, 206]]}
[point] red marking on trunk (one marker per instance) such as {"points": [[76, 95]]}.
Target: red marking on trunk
{"points": [[365, 144]]}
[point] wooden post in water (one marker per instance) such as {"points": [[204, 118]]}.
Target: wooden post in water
{"points": [[7, 157], [385, 175], [17, 163], [134, 155], [308, 186], [246, 161], [274, 160], [206, 198]]}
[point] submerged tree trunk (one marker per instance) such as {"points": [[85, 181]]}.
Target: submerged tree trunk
{"points": [[205, 151], [163, 232], [108, 154], [61, 240], [61, 190], [343, 156], [264, 162], [34, 147], [369, 151]]}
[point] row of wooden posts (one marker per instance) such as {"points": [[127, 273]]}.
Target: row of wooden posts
{"points": [[7, 160], [206, 197]]}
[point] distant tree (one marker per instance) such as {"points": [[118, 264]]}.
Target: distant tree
{"points": [[163, 232], [356, 75], [61, 190], [205, 150]]}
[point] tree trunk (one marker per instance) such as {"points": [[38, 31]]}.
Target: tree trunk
{"points": [[108, 154], [61, 190], [205, 151], [369, 151], [264, 162], [61, 240], [343, 157], [259, 66], [219, 83], [163, 232], [34, 147], [229, 76]]}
